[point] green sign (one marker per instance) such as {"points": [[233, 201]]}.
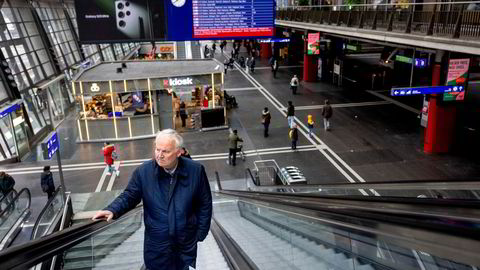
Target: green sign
{"points": [[353, 47], [403, 59]]}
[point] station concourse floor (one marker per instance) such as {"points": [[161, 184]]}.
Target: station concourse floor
{"points": [[371, 140]]}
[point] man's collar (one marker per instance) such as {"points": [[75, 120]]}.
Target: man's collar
{"points": [[179, 169]]}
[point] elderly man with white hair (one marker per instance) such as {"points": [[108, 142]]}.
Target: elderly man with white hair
{"points": [[177, 204]]}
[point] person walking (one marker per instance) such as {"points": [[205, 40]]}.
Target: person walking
{"points": [[310, 124], [185, 153], [275, 68], [214, 48], [46, 182], [290, 114], [327, 113], [294, 84], [233, 139], [293, 134], [252, 65], [108, 154], [266, 117], [225, 66], [221, 47], [6, 185], [177, 204], [183, 113], [247, 65]]}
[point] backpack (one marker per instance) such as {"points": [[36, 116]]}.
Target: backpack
{"points": [[114, 155]]}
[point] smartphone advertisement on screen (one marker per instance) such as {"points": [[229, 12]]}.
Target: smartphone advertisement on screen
{"points": [[101, 21]]}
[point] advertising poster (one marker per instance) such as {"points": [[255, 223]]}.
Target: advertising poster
{"points": [[457, 75], [313, 44], [176, 20]]}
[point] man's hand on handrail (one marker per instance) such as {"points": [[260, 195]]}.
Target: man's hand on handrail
{"points": [[103, 214]]}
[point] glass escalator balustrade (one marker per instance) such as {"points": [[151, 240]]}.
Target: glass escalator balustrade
{"points": [[275, 239], [48, 215], [119, 246], [17, 205]]}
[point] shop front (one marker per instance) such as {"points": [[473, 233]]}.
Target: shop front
{"points": [[134, 99], [14, 140]]}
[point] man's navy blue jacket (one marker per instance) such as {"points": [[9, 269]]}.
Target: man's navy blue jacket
{"points": [[174, 225]]}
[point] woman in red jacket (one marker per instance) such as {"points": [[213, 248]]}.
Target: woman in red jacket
{"points": [[108, 150]]}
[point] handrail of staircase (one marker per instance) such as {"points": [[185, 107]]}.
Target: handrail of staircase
{"points": [[36, 251], [380, 4]]}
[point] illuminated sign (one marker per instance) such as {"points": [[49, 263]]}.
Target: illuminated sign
{"points": [[313, 43], [178, 82], [408, 91], [269, 40], [176, 20], [50, 145], [94, 87], [9, 109]]}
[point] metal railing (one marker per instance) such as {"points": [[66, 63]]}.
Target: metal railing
{"points": [[458, 20], [11, 218]]}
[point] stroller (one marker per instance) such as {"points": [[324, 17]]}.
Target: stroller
{"points": [[240, 152]]}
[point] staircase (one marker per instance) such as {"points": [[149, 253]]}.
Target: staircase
{"points": [[196, 54], [181, 54]]}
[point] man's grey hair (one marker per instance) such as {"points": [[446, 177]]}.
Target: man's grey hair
{"points": [[172, 134]]}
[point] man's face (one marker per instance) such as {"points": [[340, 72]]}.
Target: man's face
{"points": [[165, 152]]}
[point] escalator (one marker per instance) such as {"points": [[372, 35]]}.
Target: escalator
{"points": [[292, 227]]}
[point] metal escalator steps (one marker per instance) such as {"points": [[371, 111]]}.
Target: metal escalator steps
{"points": [[266, 250], [209, 255]]}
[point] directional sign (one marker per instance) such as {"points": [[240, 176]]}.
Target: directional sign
{"points": [[268, 40], [6, 110], [50, 145], [408, 91]]}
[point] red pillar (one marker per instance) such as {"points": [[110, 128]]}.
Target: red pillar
{"points": [[441, 121], [265, 50], [309, 68]]}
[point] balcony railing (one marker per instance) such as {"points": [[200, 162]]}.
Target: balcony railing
{"points": [[458, 20]]}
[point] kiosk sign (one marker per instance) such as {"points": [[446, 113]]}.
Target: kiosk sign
{"points": [[50, 145]]}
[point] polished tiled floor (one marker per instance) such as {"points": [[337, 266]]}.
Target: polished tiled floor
{"points": [[378, 142]]}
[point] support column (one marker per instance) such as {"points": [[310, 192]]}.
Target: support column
{"points": [[266, 50], [441, 119], [309, 68]]}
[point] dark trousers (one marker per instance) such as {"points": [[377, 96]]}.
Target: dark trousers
{"points": [[274, 73], [265, 130], [294, 144], [184, 118], [50, 194], [232, 156], [294, 90]]}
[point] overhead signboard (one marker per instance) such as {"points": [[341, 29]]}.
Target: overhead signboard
{"points": [[137, 20], [408, 91], [313, 43], [50, 145], [269, 40]]}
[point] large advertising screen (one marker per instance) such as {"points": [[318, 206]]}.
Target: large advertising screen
{"points": [[138, 20]]}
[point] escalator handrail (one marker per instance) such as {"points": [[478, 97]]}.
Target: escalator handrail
{"points": [[460, 210], [14, 200], [44, 210], [398, 185], [455, 242], [38, 250]]}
